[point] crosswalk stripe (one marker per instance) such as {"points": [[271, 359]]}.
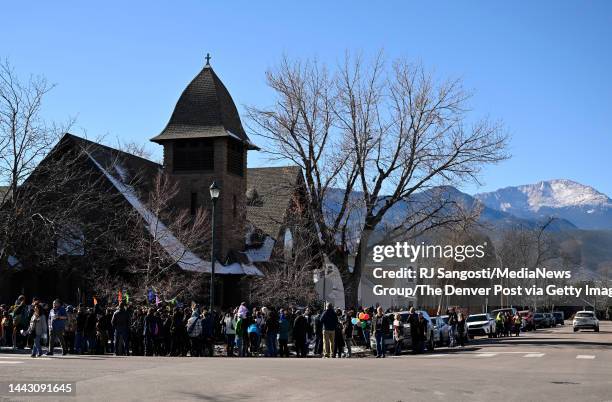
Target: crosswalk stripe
{"points": [[25, 357], [534, 355], [486, 354], [10, 362], [585, 357]]}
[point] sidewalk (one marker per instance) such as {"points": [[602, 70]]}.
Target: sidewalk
{"points": [[9, 350]]}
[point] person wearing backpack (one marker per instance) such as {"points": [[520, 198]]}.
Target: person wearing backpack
{"points": [[194, 331]]}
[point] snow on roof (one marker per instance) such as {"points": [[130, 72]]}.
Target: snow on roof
{"points": [[177, 251], [263, 253]]}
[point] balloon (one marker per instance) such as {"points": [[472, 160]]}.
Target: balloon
{"points": [[355, 321], [366, 316], [361, 316], [363, 324]]}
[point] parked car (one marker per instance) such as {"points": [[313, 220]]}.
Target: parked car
{"points": [[441, 330], [480, 324], [559, 317], [441, 322], [407, 338], [528, 323], [585, 320], [541, 320]]}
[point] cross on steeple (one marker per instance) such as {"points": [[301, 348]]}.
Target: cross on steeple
{"points": [[207, 59]]}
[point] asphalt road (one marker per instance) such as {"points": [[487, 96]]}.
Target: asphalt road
{"points": [[554, 364]]}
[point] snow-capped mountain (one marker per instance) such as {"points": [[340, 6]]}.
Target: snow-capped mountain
{"points": [[582, 205], [490, 218]]}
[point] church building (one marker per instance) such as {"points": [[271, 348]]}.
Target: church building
{"points": [[204, 142]]}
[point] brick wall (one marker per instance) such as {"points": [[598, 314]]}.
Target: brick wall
{"points": [[230, 221]]}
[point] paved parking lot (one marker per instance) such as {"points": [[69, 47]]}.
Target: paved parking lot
{"points": [[554, 364]]}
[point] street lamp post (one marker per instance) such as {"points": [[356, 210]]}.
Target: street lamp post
{"points": [[214, 195]]}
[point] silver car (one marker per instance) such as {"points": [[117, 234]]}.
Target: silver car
{"points": [[441, 325], [406, 342], [585, 320]]}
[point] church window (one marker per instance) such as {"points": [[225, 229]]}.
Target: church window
{"points": [[192, 155], [235, 157]]}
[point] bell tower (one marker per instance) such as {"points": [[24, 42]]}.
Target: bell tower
{"points": [[204, 141]]}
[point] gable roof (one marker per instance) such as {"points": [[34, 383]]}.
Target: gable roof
{"points": [[128, 174], [205, 109], [269, 192], [127, 167]]}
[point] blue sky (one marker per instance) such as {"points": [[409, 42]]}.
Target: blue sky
{"points": [[542, 67]]}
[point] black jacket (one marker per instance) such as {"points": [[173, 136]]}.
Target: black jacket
{"points": [[329, 320], [121, 320], [300, 327], [380, 324]]}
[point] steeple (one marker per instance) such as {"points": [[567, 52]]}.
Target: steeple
{"points": [[205, 109], [204, 142]]}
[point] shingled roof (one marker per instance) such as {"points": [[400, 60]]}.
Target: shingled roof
{"points": [[119, 162], [269, 192], [205, 109]]}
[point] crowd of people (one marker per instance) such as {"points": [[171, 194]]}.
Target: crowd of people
{"points": [[507, 324], [170, 330]]}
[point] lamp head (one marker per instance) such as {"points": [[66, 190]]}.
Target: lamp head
{"points": [[214, 191]]}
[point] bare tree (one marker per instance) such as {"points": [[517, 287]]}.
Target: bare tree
{"points": [[371, 136], [25, 138], [165, 239], [288, 277], [530, 248]]}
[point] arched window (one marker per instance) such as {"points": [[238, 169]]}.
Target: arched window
{"points": [[288, 244]]}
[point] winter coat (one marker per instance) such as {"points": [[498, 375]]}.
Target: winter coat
{"points": [[151, 326], [300, 327], [272, 323], [329, 320], [380, 324], [283, 329], [194, 327], [229, 325], [38, 325], [121, 320]]}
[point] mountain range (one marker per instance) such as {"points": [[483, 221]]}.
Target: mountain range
{"points": [[582, 205], [582, 228]]}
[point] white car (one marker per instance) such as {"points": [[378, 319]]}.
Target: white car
{"points": [[585, 320], [480, 324]]}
